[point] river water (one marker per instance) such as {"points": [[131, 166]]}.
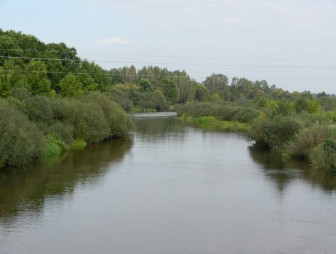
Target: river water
{"points": [[169, 189]]}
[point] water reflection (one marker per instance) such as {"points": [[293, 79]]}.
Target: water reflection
{"points": [[25, 191], [282, 172], [155, 127], [180, 190]]}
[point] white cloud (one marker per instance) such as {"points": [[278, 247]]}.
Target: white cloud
{"points": [[113, 41]]}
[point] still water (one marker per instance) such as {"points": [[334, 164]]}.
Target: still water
{"points": [[169, 189]]}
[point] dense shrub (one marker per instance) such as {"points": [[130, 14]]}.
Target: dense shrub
{"points": [[324, 155], [121, 96], [118, 121], [78, 144], [278, 132], [309, 138], [20, 140], [38, 109], [63, 131], [90, 123], [54, 148], [225, 112]]}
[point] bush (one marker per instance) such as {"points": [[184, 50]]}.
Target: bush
{"points": [[119, 122], [86, 117], [278, 132], [309, 138], [226, 112], [78, 144], [90, 123], [54, 148], [20, 140], [38, 109], [63, 131], [324, 155]]}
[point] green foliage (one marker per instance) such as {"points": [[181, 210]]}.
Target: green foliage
{"points": [[54, 148], [211, 122], [202, 93], [217, 83], [118, 121], [309, 138], [78, 144], [90, 123], [226, 112], [10, 76], [37, 78], [20, 140], [324, 156], [122, 94], [70, 86], [280, 131], [132, 98], [160, 101], [62, 130], [38, 109], [50, 105], [308, 105], [170, 91], [145, 85]]}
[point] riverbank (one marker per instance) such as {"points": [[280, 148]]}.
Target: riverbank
{"points": [[35, 127], [299, 136], [212, 123]]}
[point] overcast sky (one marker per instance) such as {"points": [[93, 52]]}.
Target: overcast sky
{"points": [[290, 43]]}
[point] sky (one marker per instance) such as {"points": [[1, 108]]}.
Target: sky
{"points": [[289, 43]]}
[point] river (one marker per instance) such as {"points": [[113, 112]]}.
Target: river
{"points": [[169, 189]]}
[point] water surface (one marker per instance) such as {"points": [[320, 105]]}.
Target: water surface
{"points": [[169, 189]]}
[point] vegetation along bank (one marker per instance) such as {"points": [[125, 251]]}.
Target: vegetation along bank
{"points": [[52, 101]]}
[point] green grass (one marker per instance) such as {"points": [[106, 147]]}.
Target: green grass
{"points": [[212, 123], [54, 148], [78, 144]]}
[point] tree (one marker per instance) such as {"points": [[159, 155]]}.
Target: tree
{"points": [[170, 91], [217, 83], [70, 86], [37, 78], [146, 85], [10, 76], [202, 93], [99, 78]]}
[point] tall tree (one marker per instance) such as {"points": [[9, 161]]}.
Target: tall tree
{"points": [[217, 83]]}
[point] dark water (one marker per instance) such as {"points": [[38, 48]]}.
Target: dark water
{"points": [[170, 189]]}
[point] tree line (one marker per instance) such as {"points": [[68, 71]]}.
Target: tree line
{"points": [[51, 101], [60, 101]]}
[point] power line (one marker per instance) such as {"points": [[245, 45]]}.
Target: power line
{"points": [[176, 57], [108, 73], [160, 76], [170, 63]]}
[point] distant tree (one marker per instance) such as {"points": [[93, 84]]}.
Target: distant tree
{"points": [[185, 87], [217, 83], [202, 93], [145, 85], [170, 91], [160, 101], [116, 76]]}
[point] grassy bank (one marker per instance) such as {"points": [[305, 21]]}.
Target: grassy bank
{"points": [[212, 123]]}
